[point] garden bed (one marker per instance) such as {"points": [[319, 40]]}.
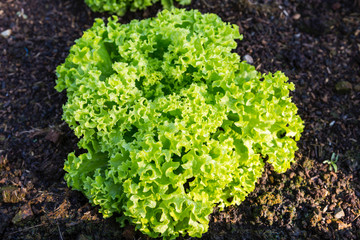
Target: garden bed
{"points": [[316, 44]]}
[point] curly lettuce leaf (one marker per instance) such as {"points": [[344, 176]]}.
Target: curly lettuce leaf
{"points": [[119, 7], [173, 123]]}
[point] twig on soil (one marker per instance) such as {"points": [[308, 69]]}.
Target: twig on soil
{"points": [[29, 228], [358, 215], [39, 131], [207, 4], [56, 222], [34, 132], [59, 231]]}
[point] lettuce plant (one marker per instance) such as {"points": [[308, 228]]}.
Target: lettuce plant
{"points": [[173, 123], [120, 7]]}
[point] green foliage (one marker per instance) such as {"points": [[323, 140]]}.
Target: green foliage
{"points": [[120, 7], [332, 162], [173, 123]]}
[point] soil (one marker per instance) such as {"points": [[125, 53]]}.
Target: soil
{"points": [[316, 43]]}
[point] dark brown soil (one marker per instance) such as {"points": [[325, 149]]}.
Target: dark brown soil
{"points": [[316, 43]]}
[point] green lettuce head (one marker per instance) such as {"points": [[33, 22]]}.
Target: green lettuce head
{"points": [[172, 121], [120, 7]]}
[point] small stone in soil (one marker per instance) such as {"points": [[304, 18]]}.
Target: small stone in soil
{"points": [[248, 59], [339, 213], [6, 33], [296, 16]]}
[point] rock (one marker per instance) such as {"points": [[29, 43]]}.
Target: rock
{"points": [[296, 16], [248, 59], [343, 87], [24, 212], [6, 33], [339, 213]]}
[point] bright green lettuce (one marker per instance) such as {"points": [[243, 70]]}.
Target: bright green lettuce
{"points": [[172, 121], [120, 7]]}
